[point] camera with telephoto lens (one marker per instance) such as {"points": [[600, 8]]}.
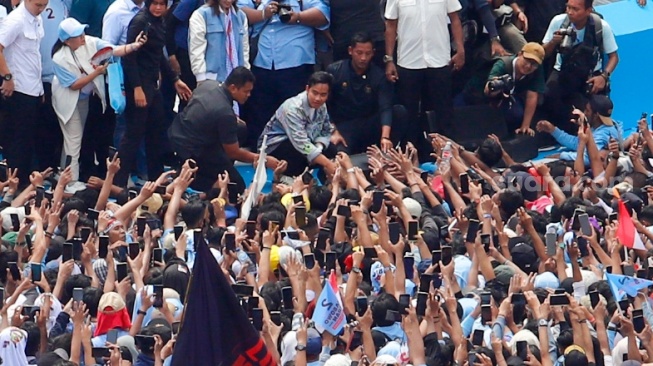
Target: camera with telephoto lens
{"points": [[504, 83], [285, 12], [569, 37]]}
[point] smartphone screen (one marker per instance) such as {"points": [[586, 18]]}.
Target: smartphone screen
{"points": [[485, 240], [67, 252], [121, 271], [551, 243], [112, 336], [251, 229], [104, 246], [377, 201], [78, 294], [472, 230], [594, 298], [330, 260], [100, 352], [559, 300], [233, 193], [13, 269], [361, 305], [140, 226], [344, 211], [134, 249], [585, 226], [356, 340], [322, 237], [36, 271], [15, 222], [394, 231], [179, 229], [518, 299], [230, 241], [77, 248], [257, 319], [486, 298], [447, 254], [464, 183], [243, 290], [486, 313], [40, 193], [623, 305], [412, 230], [628, 270], [522, 350], [639, 323], [309, 260], [422, 298], [158, 296], [286, 295], [582, 246], [275, 316], [300, 216], [157, 255]]}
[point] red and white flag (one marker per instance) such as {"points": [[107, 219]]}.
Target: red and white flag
{"points": [[626, 231]]}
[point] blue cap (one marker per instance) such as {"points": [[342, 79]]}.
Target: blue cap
{"points": [[70, 28]]}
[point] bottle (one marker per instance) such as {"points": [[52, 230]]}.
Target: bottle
{"points": [[446, 156]]}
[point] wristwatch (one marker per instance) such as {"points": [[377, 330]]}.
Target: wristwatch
{"points": [[495, 39], [388, 58], [7, 77], [542, 323], [356, 270], [300, 347]]}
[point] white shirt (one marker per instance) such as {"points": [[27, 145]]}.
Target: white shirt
{"points": [[423, 39], [21, 35]]}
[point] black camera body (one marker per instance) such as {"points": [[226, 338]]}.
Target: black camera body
{"points": [[569, 37], [285, 12], [504, 83]]}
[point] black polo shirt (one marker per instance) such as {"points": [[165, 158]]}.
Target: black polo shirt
{"points": [[207, 122]]}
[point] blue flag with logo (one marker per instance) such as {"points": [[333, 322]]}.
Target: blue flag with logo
{"points": [[626, 285], [328, 314]]}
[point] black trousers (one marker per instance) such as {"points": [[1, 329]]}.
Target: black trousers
{"points": [[48, 134], [147, 123], [363, 132], [559, 98], [98, 136], [297, 162], [22, 122], [423, 90], [272, 88]]}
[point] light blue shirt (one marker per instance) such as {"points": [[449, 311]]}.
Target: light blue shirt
{"points": [[116, 21], [55, 12], [609, 42], [283, 46], [601, 134]]}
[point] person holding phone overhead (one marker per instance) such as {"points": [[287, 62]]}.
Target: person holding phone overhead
{"points": [[145, 112], [77, 80]]}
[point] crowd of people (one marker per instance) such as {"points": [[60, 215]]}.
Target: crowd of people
{"points": [[433, 253]]}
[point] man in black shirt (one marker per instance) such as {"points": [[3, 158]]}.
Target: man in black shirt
{"points": [[206, 130], [361, 98]]}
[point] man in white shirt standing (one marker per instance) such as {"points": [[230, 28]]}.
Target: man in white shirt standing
{"points": [[424, 63], [20, 72]]}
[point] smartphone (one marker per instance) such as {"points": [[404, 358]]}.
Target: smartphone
{"points": [[322, 237], [69, 160], [412, 230], [104, 246], [145, 342], [78, 248], [85, 233], [361, 305], [486, 313], [160, 190], [477, 338], [307, 177], [585, 226], [243, 290], [559, 300], [356, 340], [250, 227], [230, 242], [394, 231], [639, 323], [472, 230], [233, 193], [100, 352], [275, 316], [132, 194], [67, 252], [612, 217], [623, 305], [594, 298], [330, 260], [112, 336], [628, 270], [436, 256], [437, 281], [582, 246], [179, 229], [392, 316], [422, 298], [257, 319], [157, 255], [447, 254], [28, 209], [485, 240], [522, 350], [2, 295], [36, 271], [518, 298], [377, 201], [29, 310], [286, 295], [486, 298], [134, 249], [404, 301], [309, 260], [344, 211], [472, 358], [15, 222], [409, 264], [78, 294], [551, 243], [158, 296], [300, 216], [121, 271], [13, 269], [425, 282], [464, 183]]}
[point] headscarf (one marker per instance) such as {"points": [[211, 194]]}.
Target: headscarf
{"points": [[12, 346]]}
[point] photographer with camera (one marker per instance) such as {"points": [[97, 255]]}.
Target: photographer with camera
{"points": [[580, 39], [514, 85]]}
